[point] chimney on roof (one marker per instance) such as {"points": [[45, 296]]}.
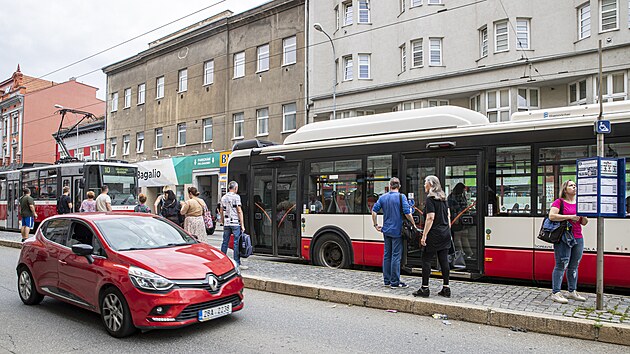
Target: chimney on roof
{"points": [[18, 69]]}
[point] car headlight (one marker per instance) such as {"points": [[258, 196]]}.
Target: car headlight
{"points": [[236, 267], [145, 280]]}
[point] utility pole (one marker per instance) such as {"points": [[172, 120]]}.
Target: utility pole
{"points": [[600, 219]]}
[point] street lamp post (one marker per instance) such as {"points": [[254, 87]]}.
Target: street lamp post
{"points": [[318, 27]]}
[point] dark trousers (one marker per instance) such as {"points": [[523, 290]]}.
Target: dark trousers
{"points": [[427, 258]]}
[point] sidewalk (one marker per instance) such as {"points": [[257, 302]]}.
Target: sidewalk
{"points": [[522, 308]]}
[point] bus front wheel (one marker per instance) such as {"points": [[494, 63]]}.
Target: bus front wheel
{"points": [[331, 251]]}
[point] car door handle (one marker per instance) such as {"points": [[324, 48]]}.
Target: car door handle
{"points": [[63, 262]]}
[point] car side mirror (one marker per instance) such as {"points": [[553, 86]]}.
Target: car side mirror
{"points": [[83, 250]]}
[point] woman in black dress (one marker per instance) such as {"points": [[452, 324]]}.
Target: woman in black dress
{"points": [[436, 237], [171, 208]]}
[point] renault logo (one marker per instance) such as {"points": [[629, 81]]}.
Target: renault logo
{"points": [[213, 282]]}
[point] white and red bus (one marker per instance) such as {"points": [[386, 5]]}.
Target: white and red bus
{"points": [[46, 183], [311, 197]]}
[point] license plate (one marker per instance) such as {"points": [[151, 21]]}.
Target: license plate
{"points": [[211, 313]]}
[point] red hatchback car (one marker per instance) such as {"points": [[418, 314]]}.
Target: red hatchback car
{"points": [[137, 270]]}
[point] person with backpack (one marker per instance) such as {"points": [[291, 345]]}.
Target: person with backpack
{"points": [[64, 203], [142, 207], [27, 212], [232, 216]]}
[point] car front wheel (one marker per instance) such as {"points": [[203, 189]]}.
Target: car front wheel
{"points": [[115, 313], [26, 288]]}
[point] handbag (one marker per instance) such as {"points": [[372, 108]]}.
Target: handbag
{"points": [[207, 215], [408, 228], [552, 231]]}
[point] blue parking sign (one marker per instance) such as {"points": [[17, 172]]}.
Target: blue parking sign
{"points": [[602, 127]]}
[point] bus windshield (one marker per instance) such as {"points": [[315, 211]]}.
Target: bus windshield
{"points": [[121, 182]]}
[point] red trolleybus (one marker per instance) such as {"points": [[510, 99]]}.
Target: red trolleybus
{"points": [[311, 197], [46, 184]]}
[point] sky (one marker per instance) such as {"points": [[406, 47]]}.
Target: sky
{"points": [[44, 36]]}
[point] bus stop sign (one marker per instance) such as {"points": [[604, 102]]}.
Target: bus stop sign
{"points": [[602, 127]]}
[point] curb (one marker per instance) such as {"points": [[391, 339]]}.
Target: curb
{"points": [[12, 244], [540, 323]]}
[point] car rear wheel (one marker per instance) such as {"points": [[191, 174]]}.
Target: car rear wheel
{"points": [[331, 251], [115, 313], [26, 288]]}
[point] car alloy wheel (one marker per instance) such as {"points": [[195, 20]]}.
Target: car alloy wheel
{"points": [[113, 312], [26, 288], [24, 284]]}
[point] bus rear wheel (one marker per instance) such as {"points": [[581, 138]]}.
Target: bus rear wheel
{"points": [[331, 251]]}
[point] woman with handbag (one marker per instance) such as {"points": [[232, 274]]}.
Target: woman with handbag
{"points": [[436, 237], [170, 208], [194, 209], [567, 252]]}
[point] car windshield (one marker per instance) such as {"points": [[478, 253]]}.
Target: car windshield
{"points": [[139, 233]]}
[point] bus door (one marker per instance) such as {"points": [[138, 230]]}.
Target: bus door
{"points": [[275, 212], [13, 204], [460, 174], [77, 193]]}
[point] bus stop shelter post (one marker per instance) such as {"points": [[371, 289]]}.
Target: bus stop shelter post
{"points": [[600, 219]]}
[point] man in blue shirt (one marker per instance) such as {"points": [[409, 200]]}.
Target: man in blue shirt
{"points": [[391, 229]]}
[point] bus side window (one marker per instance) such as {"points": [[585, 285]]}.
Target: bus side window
{"points": [[3, 189]]}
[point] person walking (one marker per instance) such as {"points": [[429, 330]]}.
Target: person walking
{"points": [[232, 216], [171, 208], [436, 237], [392, 229], [27, 211], [103, 201], [159, 201], [193, 209], [567, 252], [142, 208], [89, 204], [64, 203]]}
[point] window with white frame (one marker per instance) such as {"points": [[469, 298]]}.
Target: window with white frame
{"points": [[112, 147], [577, 92], [289, 114], [262, 55], [344, 114], [415, 3], [239, 121], [114, 102], [5, 126], [402, 5], [407, 106], [608, 14], [364, 66], [16, 123], [142, 91], [483, 42], [262, 121], [95, 152], [140, 142], [435, 52], [78, 153], [436, 103], [522, 34], [417, 56], [347, 13], [403, 58], [181, 134], [501, 37], [361, 113], [347, 68], [364, 11], [434, 2], [289, 50], [475, 103], [159, 143], [159, 87], [239, 65], [498, 105], [127, 97], [125, 145], [183, 80], [584, 21], [527, 99], [207, 130], [208, 72], [614, 87]]}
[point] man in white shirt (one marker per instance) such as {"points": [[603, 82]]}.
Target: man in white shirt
{"points": [[232, 216], [103, 201]]}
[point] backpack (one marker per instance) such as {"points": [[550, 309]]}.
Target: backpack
{"points": [[245, 248]]}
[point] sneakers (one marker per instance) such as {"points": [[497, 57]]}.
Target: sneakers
{"points": [[423, 292], [401, 285], [386, 285], [557, 297], [575, 296], [243, 267], [446, 291]]}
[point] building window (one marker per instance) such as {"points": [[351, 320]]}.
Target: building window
{"points": [[239, 65], [140, 142], [415, 3], [125, 144], [577, 93], [365, 113], [435, 53], [208, 72], [127, 97], [403, 58], [498, 105], [347, 13], [347, 68], [262, 121], [417, 57], [434, 2], [158, 138], [142, 88], [522, 34], [114, 101], [288, 117], [95, 152], [364, 66], [584, 21], [16, 123], [608, 15], [112, 147], [78, 154], [207, 130], [614, 87], [159, 87], [181, 134], [483, 40], [262, 53], [475, 103], [528, 99], [239, 121], [183, 80], [289, 54], [501, 37], [5, 126], [436, 103], [364, 11]]}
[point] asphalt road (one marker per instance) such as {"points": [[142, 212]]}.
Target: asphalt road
{"points": [[269, 323]]}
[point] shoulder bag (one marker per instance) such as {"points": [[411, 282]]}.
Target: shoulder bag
{"points": [[408, 228], [552, 231], [207, 215]]}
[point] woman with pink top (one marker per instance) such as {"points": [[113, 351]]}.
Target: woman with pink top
{"points": [[567, 252]]}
